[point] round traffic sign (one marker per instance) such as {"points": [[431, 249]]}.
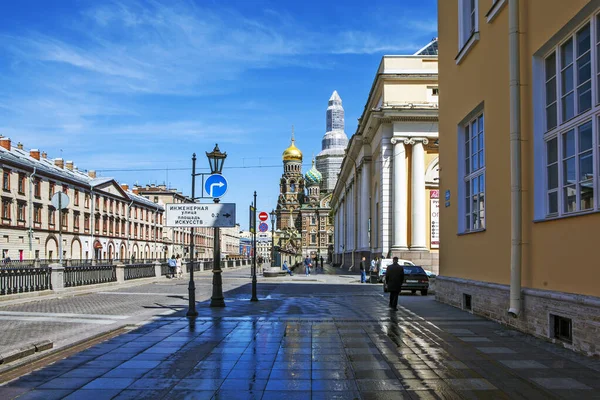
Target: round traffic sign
{"points": [[60, 200], [263, 227], [215, 185], [263, 216]]}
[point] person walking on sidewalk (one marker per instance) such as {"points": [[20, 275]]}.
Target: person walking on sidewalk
{"points": [[172, 265], [286, 269], [363, 273], [178, 267], [307, 265], [394, 277]]}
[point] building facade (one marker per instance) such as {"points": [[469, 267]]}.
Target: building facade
{"points": [[103, 220], [178, 240], [385, 202], [520, 167]]}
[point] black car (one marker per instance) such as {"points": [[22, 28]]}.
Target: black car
{"points": [[415, 278]]}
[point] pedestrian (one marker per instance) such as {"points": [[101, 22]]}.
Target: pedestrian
{"points": [[286, 268], [363, 274], [178, 268], [394, 278], [172, 265], [307, 265], [322, 270]]}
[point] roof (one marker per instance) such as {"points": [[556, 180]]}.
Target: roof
{"points": [[430, 49]]}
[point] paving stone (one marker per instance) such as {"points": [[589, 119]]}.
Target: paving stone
{"points": [[560, 383]]}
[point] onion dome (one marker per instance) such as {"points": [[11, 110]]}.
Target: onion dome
{"points": [[313, 176], [292, 153]]}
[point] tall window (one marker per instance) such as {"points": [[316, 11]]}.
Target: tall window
{"points": [[37, 214], [5, 209], [474, 177], [76, 197], [571, 151], [51, 216], [6, 179], [468, 22], [21, 206], [64, 220], [86, 222], [76, 221], [21, 184], [51, 187], [313, 238], [37, 188]]}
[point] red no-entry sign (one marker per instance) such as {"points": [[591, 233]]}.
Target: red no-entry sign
{"points": [[263, 216]]}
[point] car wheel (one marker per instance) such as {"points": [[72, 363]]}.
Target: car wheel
{"points": [[423, 292], [413, 291]]}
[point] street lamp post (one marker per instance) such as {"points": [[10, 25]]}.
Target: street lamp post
{"points": [[254, 296], [192, 286], [216, 159], [272, 214]]}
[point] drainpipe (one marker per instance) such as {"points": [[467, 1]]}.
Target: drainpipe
{"points": [[31, 212], [515, 159]]}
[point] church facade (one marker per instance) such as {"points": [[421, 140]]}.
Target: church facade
{"points": [[304, 220]]}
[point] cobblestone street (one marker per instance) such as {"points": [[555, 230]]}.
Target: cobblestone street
{"points": [[321, 337]]}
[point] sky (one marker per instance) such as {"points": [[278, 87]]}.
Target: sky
{"points": [[132, 88]]}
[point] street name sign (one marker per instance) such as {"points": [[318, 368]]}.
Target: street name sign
{"points": [[215, 215], [215, 185], [263, 216]]}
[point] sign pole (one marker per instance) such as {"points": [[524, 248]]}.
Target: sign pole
{"points": [[192, 286], [60, 243], [217, 299], [254, 298]]}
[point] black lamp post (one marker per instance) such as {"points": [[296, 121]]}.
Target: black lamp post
{"points": [[216, 159], [191, 285], [272, 214]]}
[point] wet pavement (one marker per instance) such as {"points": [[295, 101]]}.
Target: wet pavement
{"points": [[328, 339]]}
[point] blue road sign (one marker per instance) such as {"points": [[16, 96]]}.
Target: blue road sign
{"points": [[215, 185], [263, 227]]}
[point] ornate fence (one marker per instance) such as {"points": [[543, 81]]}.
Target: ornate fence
{"points": [[21, 280], [89, 275], [137, 271]]}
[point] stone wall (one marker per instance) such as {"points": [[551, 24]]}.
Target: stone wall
{"points": [[492, 301]]}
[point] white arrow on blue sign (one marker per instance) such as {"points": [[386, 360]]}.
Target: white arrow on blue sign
{"points": [[215, 185]]}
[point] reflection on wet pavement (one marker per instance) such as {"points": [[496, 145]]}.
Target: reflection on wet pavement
{"points": [[320, 342]]}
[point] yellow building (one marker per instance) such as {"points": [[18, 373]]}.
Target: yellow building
{"points": [[519, 125]]}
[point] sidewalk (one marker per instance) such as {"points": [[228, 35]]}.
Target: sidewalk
{"points": [[319, 341]]}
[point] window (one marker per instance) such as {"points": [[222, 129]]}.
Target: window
{"points": [[65, 189], [467, 21], [104, 225], [474, 175], [21, 209], [97, 203], [313, 238], [37, 214], [76, 197], [561, 328], [105, 204], [51, 187], [86, 200], [51, 216], [5, 209], [76, 221], [64, 220], [97, 224], [86, 222], [156, 199], [37, 188], [6, 179], [21, 187], [571, 125], [313, 220]]}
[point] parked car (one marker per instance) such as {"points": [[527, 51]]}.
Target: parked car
{"points": [[385, 262], [415, 278]]}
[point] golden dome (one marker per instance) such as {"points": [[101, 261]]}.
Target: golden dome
{"points": [[292, 153]]}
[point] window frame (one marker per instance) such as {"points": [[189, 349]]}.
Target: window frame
{"points": [[472, 168], [21, 183], [6, 179], [574, 123]]}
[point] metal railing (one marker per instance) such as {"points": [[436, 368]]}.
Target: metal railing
{"points": [[21, 280], [137, 271], [164, 269], [89, 275]]}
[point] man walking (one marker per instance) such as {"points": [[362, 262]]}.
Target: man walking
{"points": [[172, 265], [307, 265], [394, 277], [363, 273]]}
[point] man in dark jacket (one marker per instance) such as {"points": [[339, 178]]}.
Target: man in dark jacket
{"points": [[363, 274], [394, 277]]}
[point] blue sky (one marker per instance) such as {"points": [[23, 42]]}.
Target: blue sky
{"points": [[133, 88]]}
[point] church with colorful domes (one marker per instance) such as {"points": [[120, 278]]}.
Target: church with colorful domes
{"points": [[304, 225]]}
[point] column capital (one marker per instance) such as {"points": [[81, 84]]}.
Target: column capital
{"points": [[409, 140]]}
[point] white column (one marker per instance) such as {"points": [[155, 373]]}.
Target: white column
{"points": [[418, 219], [364, 206], [400, 195]]}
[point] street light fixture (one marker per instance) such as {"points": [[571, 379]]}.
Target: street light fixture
{"points": [[216, 159], [272, 214]]}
